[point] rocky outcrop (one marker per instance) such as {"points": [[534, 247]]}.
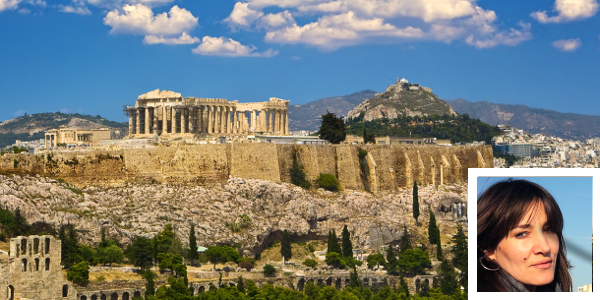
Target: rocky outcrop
{"points": [[401, 99], [131, 210]]}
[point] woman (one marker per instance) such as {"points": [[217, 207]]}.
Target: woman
{"points": [[520, 247]]}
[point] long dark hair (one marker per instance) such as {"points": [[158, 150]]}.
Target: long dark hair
{"points": [[501, 207]]}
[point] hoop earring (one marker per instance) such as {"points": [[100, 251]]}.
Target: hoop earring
{"points": [[487, 268]]}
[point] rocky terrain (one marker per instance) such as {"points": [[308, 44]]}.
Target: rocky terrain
{"points": [[401, 99], [144, 209]]}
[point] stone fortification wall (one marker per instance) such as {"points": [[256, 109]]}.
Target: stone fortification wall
{"points": [[386, 167]]}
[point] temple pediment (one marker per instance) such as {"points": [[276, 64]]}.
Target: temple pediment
{"points": [[158, 94]]}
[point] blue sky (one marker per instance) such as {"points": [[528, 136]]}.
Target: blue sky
{"points": [[94, 56], [574, 196]]}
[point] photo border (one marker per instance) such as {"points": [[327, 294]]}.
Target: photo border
{"points": [[532, 172]]}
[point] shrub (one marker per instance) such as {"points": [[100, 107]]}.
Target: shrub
{"points": [[297, 175], [79, 273], [269, 270], [311, 263], [328, 182], [246, 264]]}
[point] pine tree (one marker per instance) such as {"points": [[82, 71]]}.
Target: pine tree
{"points": [[433, 230], [193, 254], [149, 276], [346, 242], [448, 282], [286, 245], [415, 203], [332, 128]]}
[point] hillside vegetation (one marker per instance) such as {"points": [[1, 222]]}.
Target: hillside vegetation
{"points": [[459, 128]]}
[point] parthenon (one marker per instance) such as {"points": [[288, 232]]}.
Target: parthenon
{"points": [[168, 113]]}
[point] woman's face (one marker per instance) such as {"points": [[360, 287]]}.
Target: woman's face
{"points": [[529, 251]]}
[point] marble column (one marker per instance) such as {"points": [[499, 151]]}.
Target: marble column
{"points": [[137, 121], [277, 121], [209, 116], [155, 120], [268, 121], [173, 120], [286, 128], [222, 119], [182, 120], [131, 116], [164, 120], [227, 120], [147, 120], [236, 126]]}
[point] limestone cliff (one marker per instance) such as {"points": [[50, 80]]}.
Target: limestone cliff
{"points": [[401, 99], [130, 209]]}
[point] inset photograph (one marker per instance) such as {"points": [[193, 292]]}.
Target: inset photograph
{"points": [[534, 233]]}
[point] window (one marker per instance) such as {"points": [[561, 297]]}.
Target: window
{"points": [[36, 245], [10, 293], [65, 290], [37, 264], [24, 246], [24, 261], [47, 264], [47, 247]]}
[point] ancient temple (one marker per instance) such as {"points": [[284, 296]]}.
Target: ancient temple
{"points": [[168, 113]]}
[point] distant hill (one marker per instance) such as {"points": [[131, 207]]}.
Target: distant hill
{"points": [[32, 127], [533, 120], [308, 116], [402, 99]]}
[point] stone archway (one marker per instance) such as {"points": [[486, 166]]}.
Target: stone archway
{"points": [[301, 283], [10, 293], [125, 296], [137, 294], [338, 283], [114, 296]]}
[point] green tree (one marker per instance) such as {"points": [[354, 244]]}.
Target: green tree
{"points": [[140, 253], [193, 253], [414, 261], [346, 242], [251, 288], [416, 203], [332, 128], [439, 254], [79, 273], [448, 282], [333, 259], [311, 290], [433, 230], [403, 285], [332, 243], [269, 270], [405, 242], [375, 260], [460, 249], [240, 285], [391, 266], [88, 254], [354, 281], [286, 245], [149, 276], [164, 240], [109, 255], [368, 138]]}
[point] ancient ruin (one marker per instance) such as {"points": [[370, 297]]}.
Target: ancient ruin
{"points": [[168, 113], [66, 135]]}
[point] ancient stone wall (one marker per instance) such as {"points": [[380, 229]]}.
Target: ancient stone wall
{"points": [[34, 270], [388, 167]]}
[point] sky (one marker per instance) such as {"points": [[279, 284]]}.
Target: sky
{"points": [[94, 56], [574, 196]]}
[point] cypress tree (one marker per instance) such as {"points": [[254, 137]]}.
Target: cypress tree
{"points": [[439, 254], [149, 276], [63, 243], [405, 243], [433, 230], [240, 285], [403, 285], [415, 203], [460, 249], [193, 254], [286, 245], [332, 243], [346, 242], [448, 282]]}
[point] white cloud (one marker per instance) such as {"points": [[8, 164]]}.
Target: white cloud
{"points": [[350, 22], [114, 4], [184, 39], [24, 11], [567, 45], [139, 19], [332, 32], [506, 38], [568, 10], [221, 46], [242, 16], [281, 19], [9, 4]]}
